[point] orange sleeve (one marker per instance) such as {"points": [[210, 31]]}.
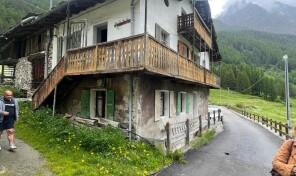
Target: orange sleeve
{"points": [[281, 158]]}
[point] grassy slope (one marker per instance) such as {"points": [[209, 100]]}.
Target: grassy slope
{"points": [[81, 151], [274, 110]]}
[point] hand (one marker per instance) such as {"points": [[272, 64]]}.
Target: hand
{"points": [[5, 113], [294, 169]]}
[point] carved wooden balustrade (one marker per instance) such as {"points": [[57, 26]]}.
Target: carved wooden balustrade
{"points": [[125, 55], [188, 22]]}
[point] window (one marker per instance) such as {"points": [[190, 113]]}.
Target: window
{"points": [[164, 103], [197, 59], [183, 49], [100, 34], [161, 35], [161, 104], [102, 103], [75, 39], [59, 48], [183, 103]]}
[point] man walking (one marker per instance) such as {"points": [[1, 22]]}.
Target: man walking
{"points": [[9, 113]]}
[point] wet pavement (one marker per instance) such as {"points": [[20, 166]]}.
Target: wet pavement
{"points": [[244, 148]]}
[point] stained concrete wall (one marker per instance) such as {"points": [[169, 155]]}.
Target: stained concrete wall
{"points": [[143, 112], [146, 124], [72, 103]]}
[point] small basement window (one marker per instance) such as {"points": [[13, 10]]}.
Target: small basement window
{"points": [[161, 104]]}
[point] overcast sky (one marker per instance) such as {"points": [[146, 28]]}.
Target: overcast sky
{"points": [[218, 6]]}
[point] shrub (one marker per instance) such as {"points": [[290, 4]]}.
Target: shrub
{"points": [[177, 156]]}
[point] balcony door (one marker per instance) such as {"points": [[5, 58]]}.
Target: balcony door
{"points": [[100, 33]]}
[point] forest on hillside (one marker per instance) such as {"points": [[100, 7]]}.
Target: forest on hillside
{"points": [[252, 63], [12, 11]]}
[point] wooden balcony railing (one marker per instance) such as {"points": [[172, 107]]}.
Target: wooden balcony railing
{"points": [[186, 22], [118, 56], [125, 55]]}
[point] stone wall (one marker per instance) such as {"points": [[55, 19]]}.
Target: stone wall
{"points": [[23, 74]]}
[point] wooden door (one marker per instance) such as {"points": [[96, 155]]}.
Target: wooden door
{"points": [[38, 72]]}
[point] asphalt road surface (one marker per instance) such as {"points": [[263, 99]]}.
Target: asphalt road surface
{"points": [[244, 148]]}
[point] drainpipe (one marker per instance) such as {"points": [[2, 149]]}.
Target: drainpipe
{"points": [[131, 82], [132, 17], [145, 27]]}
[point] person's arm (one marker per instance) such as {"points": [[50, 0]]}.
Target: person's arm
{"points": [[2, 109], [281, 158]]}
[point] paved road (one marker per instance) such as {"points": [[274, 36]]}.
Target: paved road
{"points": [[250, 146]]}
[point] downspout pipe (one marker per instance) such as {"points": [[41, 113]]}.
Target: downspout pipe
{"points": [[132, 17], [131, 76]]}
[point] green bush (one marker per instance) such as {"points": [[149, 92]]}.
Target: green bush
{"points": [[177, 156], [16, 92]]}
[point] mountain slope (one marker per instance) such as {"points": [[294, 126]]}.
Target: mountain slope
{"points": [[259, 48], [281, 19], [13, 10]]}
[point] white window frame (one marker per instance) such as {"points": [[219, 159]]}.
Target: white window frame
{"points": [[166, 105], [183, 102], [162, 35], [93, 102]]}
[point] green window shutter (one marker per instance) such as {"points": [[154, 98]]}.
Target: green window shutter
{"points": [[110, 104], [85, 103], [187, 103], [178, 103]]}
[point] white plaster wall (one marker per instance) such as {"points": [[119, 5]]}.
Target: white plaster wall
{"points": [[110, 12], [205, 60], [166, 17]]}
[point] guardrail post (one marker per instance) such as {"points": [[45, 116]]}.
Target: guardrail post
{"points": [[258, 118], [280, 128], [287, 131], [266, 121], [214, 118], [271, 124], [219, 116], [187, 131], [275, 126], [200, 126], [168, 146], [209, 121]]}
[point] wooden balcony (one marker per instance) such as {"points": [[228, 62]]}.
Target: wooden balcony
{"points": [[188, 24], [138, 53]]}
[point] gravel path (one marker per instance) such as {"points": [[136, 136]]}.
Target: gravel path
{"points": [[24, 161], [244, 148]]}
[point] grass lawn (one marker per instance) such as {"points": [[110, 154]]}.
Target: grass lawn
{"points": [[253, 104]]}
